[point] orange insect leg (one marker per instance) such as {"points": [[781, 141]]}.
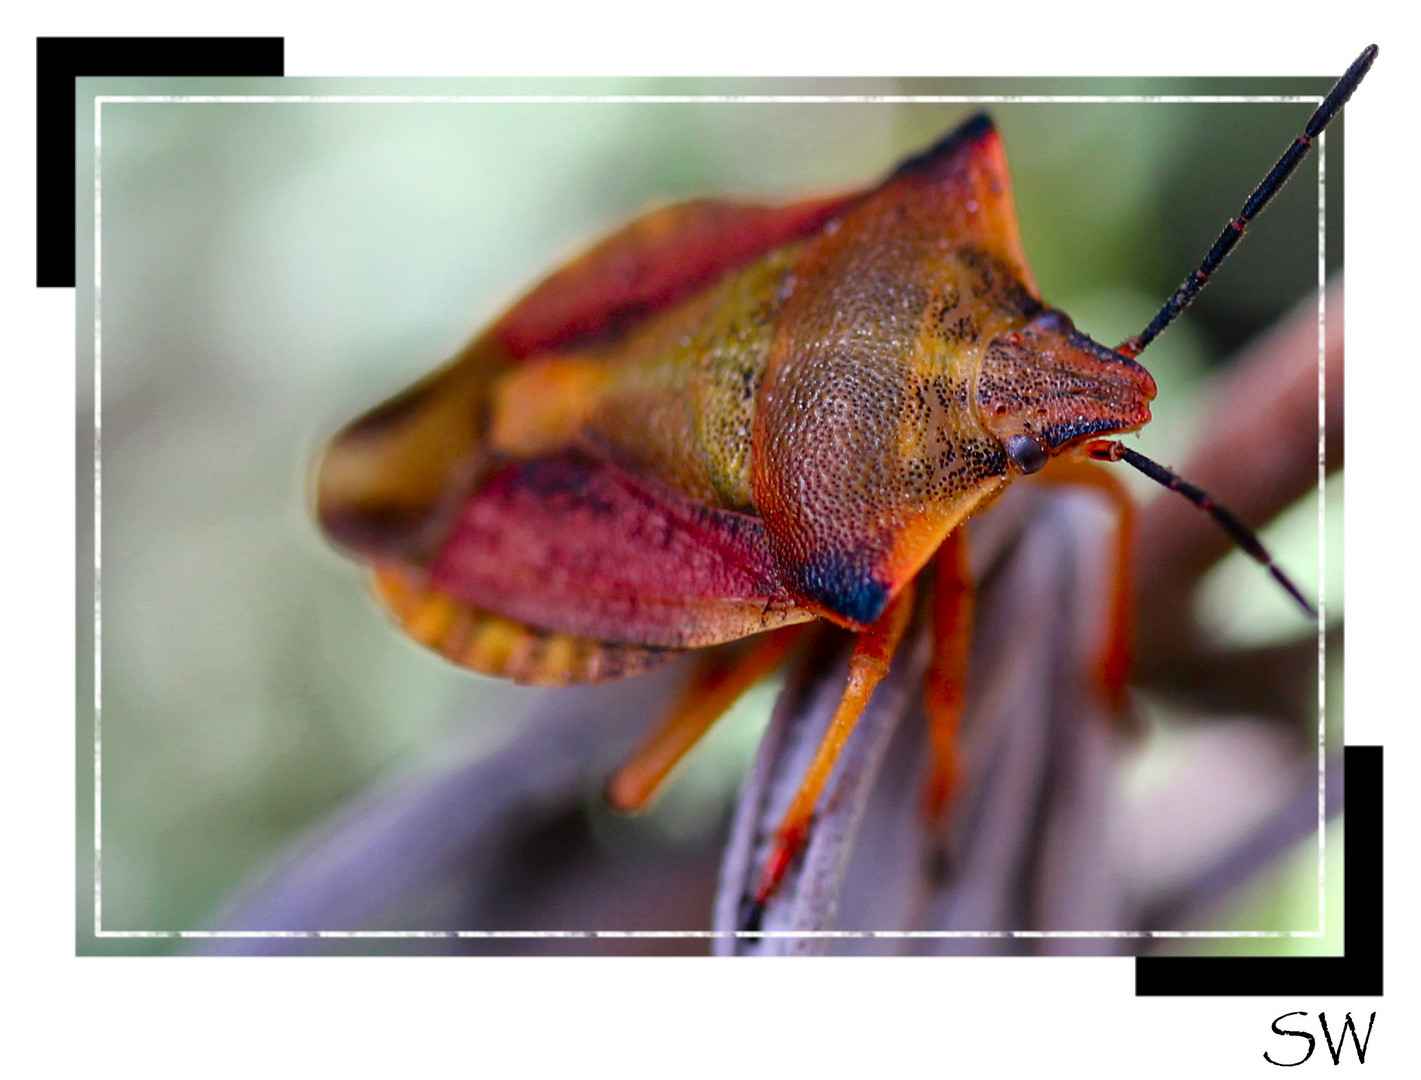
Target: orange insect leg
{"points": [[868, 664], [1117, 650], [953, 603], [716, 684]]}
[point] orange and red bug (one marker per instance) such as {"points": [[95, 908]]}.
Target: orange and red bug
{"points": [[729, 421]]}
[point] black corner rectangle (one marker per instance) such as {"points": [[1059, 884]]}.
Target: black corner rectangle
{"points": [[1356, 974], [58, 62]]}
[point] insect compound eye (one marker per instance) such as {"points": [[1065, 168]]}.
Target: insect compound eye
{"points": [[1052, 321], [1027, 453]]}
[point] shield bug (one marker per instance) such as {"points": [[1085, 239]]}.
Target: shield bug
{"points": [[731, 421]]}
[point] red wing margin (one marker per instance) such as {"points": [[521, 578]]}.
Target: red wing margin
{"points": [[656, 260], [576, 546]]}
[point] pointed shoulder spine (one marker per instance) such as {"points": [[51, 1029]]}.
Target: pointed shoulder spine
{"points": [[968, 134]]}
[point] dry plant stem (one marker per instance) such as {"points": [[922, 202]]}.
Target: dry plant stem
{"points": [[868, 664], [1029, 839], [1026, 841], [366, 867], [807, 897], [1257, 456], [1196, 901], [1271, 681], [504, 841]]}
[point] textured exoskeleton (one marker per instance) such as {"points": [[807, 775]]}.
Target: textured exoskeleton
{"points": [[721, 420]]}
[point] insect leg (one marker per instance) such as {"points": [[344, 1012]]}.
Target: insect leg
{"points": [[718, 681], [953, 603], [1113, 663], [868, 664]]}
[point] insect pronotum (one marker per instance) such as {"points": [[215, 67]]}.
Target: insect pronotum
{"points": [[730, 421]]}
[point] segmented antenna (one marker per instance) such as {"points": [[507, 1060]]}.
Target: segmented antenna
{"points": [[1241, 534], [1262, 195]]}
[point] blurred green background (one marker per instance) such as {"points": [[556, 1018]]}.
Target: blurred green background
{"points": [[270, 269]]}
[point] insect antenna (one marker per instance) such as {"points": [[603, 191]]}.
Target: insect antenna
{"points": [[1241, 534], [1262, 195]]}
